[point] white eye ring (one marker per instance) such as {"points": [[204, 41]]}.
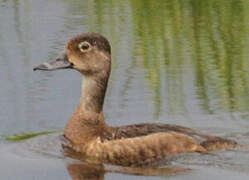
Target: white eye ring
{"points": [[84, 46]]}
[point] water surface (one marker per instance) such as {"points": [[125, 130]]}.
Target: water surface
{"points": [[182, 62]]}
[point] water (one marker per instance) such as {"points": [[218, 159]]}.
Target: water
{"points": [[181, 62]]}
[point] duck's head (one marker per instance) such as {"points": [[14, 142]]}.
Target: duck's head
{"points": [[88, 53]]}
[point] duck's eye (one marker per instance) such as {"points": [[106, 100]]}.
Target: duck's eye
{"points": [[84, 46]]}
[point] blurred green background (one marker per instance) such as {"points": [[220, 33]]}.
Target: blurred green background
{"points": [[172, 59], [182, 62]]}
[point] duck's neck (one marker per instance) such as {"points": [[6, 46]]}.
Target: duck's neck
{"points": [[93, 94], [87, 121]]}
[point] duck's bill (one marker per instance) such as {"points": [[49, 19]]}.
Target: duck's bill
{"points": [[61, 62]]}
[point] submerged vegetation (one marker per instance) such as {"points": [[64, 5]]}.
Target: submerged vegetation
{"points": [[23, 136]]}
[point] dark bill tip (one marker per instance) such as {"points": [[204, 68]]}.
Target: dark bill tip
{"points": [[41, 67]]}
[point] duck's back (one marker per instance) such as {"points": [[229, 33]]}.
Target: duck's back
{"points": [[144, 129]]}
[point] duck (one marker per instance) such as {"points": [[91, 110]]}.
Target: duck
{"points": [[91, 137]]}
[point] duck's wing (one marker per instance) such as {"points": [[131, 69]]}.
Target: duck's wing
{"points": [[209, 142], [143, 150], [144, 129]]}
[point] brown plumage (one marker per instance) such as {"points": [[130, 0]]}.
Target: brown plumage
{"points": [[133, 145]]}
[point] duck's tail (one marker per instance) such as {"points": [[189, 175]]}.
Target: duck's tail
{"points": [[218, 143]]}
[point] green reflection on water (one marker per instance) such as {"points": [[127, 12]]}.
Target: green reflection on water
{"points": [[175, 38], [181, 45]]}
